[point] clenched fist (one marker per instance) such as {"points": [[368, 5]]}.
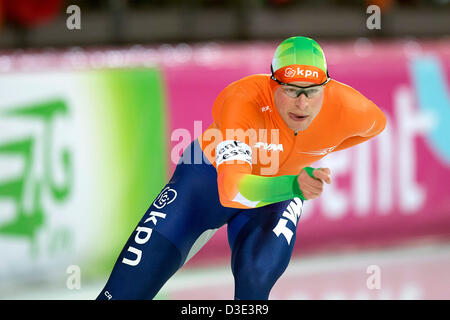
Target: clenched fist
{"points": [[313, 187]]}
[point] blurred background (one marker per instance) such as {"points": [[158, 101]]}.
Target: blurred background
{"points": [[98, 99]]}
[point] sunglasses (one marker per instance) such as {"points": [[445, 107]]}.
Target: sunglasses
{"points": [[294, 91]]}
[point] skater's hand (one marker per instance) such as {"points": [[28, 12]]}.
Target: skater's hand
{"points": [[313, 187]]}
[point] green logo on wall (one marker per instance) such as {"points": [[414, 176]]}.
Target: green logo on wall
{"points": [[27, 189]]}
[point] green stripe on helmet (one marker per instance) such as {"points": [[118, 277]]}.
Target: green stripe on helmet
{"points": [[299, 50]]}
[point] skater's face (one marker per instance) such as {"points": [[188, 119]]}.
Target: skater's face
{"points": [[298, 107]]}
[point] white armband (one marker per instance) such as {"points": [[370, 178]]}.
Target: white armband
{"points": [[233, 150]]}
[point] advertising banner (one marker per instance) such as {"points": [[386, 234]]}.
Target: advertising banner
{"points": [[82, 155]]}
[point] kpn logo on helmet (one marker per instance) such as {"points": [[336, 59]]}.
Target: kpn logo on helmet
{"points": [[297, 72], [303, 72]]}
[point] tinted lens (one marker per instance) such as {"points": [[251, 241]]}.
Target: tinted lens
{"points": [[313, 92], [292, 92], [295, 93]]}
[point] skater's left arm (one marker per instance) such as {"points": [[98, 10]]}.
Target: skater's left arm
{"points": [[364, 123]]}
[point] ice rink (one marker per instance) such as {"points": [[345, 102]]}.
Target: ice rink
{"points": [[417, 271]]}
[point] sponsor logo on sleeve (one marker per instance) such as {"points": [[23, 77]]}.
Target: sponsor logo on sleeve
{"points": [[269, 146]]}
